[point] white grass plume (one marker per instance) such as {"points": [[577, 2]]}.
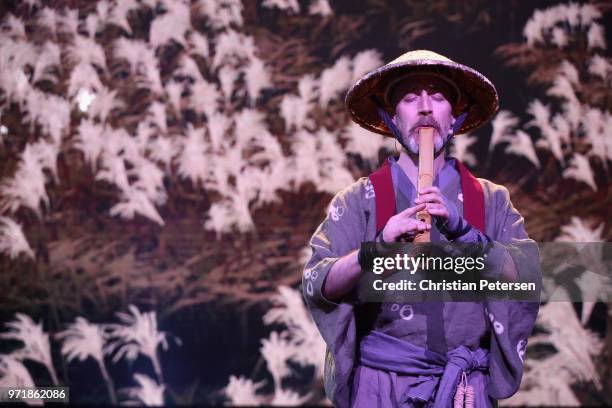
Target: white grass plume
{"points": [[242, 391], [592, 282], [551, 136], [199, 44], [13, 26], [172, 25], [364, 62], [148, 392], [459, 148], [83, 340], [320, 7], [291, 6], [365, 143], [600, 67], [27, 187], [289, 309], [14, 374], [222, 13], [503, 125], [520, 144], [580, 170], [193, 158], [233, 48], [35, 342], [12, 239], [104, 103], [49, 18], [135, 201], [85, 50], [277, 351], [137, 334], [596, 36], [257, 78], [334, 80], [49, 57]]}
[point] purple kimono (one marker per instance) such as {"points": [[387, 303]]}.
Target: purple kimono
{"points": [[414, 354]]}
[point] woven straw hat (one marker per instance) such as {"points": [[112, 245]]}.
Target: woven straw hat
{"points": [[478, 96]]}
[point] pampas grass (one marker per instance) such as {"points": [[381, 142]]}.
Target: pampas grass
{"points": [[35, 342], [83, 340], [137, 334]]}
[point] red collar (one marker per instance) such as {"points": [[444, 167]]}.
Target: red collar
{"points": [[473, 196]]}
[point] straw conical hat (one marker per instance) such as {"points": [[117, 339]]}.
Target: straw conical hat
{"points": [[478, 95]]}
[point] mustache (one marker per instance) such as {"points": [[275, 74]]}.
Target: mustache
{"points": [[427, 121]]}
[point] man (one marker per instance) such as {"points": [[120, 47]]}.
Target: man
{"points": [[421, 353]]}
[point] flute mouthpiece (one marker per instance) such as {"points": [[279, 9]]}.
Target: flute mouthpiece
{"points": [[426, 130]]}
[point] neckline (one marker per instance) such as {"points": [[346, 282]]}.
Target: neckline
{"points": [[449, 163]]}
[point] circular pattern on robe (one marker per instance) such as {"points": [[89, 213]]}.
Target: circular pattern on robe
{"points": [[521, 347], [336, 212], [314, 275], [403, 314], [307, 274], [394, 307], [309, 288], [460, 197], [499, 328]]}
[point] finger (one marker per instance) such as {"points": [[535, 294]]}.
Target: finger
{"points": [[423, 227], [428, 198], [438, 212], [432, 189], [416, 225], [435, 206], [410, 211]]}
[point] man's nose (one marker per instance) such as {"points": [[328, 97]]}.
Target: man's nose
{"points": [[424, 104]]}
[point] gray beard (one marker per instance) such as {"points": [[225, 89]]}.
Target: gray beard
{"points": [[413, 145]]}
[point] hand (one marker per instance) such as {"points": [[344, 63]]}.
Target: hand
{"points": [[404, 223], [444, 212]]}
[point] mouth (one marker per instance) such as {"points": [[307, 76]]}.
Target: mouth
{"points": [[416, 129], [426, 124]]}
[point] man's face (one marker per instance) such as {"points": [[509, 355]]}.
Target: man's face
{"points": [[423, 101]]}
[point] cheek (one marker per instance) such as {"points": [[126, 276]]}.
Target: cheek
{"points": [[398, 120], [404, 117], [444, 115], [406, 109]]}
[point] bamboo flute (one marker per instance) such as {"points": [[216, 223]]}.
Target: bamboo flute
{"points": [[426, 176]]}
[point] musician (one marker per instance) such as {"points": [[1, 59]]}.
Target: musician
{"points": [[420, 353]]}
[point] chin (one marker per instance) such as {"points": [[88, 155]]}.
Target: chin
{"points": [[413, 143]]}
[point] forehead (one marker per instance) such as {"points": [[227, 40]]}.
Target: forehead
{"points": [[417, 82]]}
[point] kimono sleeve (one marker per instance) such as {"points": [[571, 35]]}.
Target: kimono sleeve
{"points": [[341, 232], [510, 238], [511, 321]]}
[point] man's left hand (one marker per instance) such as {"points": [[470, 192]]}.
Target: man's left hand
{"points": [[444, 212]]}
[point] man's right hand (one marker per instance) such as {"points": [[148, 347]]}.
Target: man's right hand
{"points": [[404, 223]]}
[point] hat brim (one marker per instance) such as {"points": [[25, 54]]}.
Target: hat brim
{"points": [[367, 94]]}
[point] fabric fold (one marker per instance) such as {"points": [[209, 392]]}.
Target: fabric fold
{"points": [[435, 371]]}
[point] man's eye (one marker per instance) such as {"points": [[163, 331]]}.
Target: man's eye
{"points": [[437, 97], [410, 98]]}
